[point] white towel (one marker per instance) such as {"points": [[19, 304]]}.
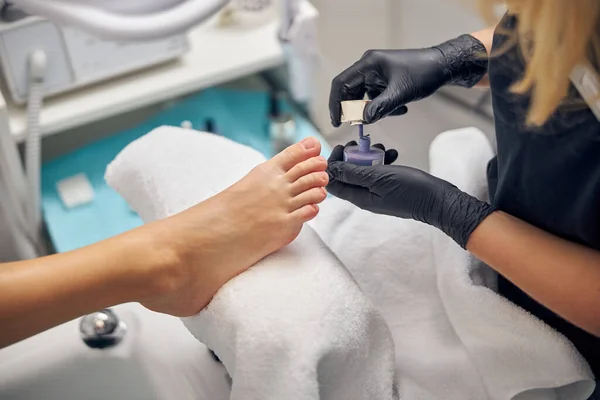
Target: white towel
{"points": [[455, 337], [518, 356], [295, 326]]}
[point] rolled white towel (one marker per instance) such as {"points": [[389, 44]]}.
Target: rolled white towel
{"points": [[296, 325]]}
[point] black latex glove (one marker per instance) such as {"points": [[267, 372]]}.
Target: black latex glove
{"points": [[393, 78], [407, 193]]}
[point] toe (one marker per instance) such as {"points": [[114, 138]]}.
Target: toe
{"points": [[315, 164], [312, 196], [306, 213], [296, 153], [307, 182]]}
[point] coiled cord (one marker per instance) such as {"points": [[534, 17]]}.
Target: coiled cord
{"points": [[33, 145]]}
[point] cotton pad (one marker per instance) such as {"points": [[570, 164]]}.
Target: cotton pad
{"points": [[75, 191]]}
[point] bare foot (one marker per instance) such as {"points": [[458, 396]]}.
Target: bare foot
{"points": [[228, 233]]}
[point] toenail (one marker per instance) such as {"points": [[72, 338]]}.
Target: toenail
{"points": [[324, 178], [309, 143]]}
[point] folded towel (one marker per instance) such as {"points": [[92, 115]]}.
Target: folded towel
{"points": [[296, 325], [455, 337], [517, 355]]}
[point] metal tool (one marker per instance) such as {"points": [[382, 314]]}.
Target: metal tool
{"points": [[102, 329]]}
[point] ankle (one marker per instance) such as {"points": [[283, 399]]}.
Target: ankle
{"points": [[161, 269]]}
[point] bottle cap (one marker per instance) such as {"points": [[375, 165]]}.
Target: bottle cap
{"points": [[353, 111]]}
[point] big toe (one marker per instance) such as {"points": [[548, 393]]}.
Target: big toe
{"points": [[296, 153]]}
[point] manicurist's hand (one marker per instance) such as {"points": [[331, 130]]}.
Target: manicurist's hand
{"points": [[408, 193], [394, 78]]}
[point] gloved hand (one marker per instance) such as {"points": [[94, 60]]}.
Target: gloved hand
{"points": [[393, 78], [407, 193]]}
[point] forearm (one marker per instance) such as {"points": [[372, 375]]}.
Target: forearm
{"points": [[39, 294], [563, 276], [486, 37]]}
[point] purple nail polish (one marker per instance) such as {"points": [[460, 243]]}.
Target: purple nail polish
{"points": [[364, 154]]}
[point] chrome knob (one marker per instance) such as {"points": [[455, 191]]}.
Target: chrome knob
{"points": [[102, 329]]}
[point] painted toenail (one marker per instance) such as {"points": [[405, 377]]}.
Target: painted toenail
{"points": [[309, 143]]}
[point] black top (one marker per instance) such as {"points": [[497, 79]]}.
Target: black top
{"points": [[548, 177]]}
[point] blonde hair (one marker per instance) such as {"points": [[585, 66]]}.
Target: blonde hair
{"points": [[554, 37]]}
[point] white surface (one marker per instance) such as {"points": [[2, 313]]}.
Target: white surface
{"points": [[16, 47], [456, 339], [76, 59], [217, 55], [158, 359], [294, 326], [92, 58], [302, 53], [149, 20], [75, 191], [13, 192]]}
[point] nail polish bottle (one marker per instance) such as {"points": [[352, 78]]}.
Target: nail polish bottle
{"points": [[363, 154], [209, 126]]}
